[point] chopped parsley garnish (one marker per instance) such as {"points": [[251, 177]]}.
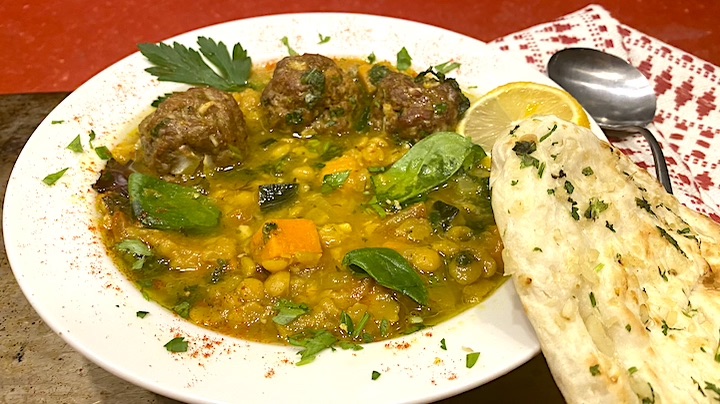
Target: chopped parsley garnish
{"points": [[442, 345], [323, 39], [523, 150], [587, 171], [56, 122], [717, 351], [371, 58], [346, 323], [290, 50], [671, 240], [321, 341], [628, 327], [547, 135], [180, 64], [712, 387], [569, 187], [75, 145], [642, 203], [289, 311], [595, 207], [666, 328], [593, 302], [384, 328], [103, 152], [610, 226], [182, 309], [663, 274], [574, 209], [141, 313], [404, 61], [361, 325], [541, 169], [471, 359], [595, 370], [375, 375], [177, 344], [51, 179], [513, 183], [538, 249], [139, 251], [551, 191], [512, 131], [334, 181], [447, 67], [632, 370]]}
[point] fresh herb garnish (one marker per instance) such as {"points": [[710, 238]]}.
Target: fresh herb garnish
{"points": [[290, 50], [593, 302], [587, 171], [569, 188], [447, 67], [323, 39], [177, 344], [182, 309], [75, 145], [574, 209], [375, 375], [178, 63], [371, 58], [442, 345], [103, 152], [389, 269], [471, 359], [523, 150], [550, 132], [610, 226], [595, 370], [361, 325], [671, 240], [642, 203], [717, 351], [321, 341], [334, 181], [51, 179], [632, 370], [628, 327], [666, 328], [595, 207], [663, 274], [712, 387], [141, 313], [289, 311], [384, 328], [346, 323], [56, 122], [404, 61], [139, 250]]}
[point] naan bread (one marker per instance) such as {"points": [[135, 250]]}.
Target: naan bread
{"points": [[620, 281]]}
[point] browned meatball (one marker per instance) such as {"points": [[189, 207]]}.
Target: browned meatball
{"points": [[192, 130], [310, 94], [414, 108]]}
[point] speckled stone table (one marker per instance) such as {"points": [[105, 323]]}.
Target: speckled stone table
{"points": [[37, 366]]}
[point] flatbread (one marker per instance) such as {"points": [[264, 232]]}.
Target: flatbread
{"points": [[620, 281]]}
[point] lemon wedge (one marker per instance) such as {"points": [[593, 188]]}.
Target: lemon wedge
{"points": [[496, 113]]}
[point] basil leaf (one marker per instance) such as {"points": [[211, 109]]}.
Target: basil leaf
{"points": [[51, 179], [177, 345], [428, 164], [389, 269], [161, 205], [334, 181], [404, 61], [289, 312]]}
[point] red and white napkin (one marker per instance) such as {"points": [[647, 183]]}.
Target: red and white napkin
{"points": [[687, 122]]}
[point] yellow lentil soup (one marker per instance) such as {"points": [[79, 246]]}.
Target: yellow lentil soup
{"points": [[330, 210]]}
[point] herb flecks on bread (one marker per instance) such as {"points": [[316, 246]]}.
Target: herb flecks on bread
{"points": [[620, 281]]}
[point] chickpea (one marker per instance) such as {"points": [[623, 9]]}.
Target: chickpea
{"points": [[275, 265], [424, 259], [465, 268], [414, 229], [278, 284], [459, 233], [247, 266], [304, 173], [251, 289]]}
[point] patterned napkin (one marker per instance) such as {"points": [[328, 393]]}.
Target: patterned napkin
{"points": [[687, 122]]}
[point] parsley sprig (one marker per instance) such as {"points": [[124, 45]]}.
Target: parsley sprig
{"points": [[181, 64]]}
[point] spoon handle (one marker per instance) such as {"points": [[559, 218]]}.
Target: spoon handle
{"points": [[661, 169]]}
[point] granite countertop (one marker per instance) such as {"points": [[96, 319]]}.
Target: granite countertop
{"points": [[37, 366]]}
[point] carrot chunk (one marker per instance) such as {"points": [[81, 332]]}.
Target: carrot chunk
{"points": [[286, 240]]}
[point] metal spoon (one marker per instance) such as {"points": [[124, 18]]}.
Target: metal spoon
{"points": [[616, 95]]}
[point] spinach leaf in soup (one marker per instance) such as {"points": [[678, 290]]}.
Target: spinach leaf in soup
{"points": [[389, 269], [427, 165], [158, 204]]}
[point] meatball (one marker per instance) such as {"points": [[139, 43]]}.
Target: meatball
{"points": [[414, 108], [310, 94], [196, 129]]}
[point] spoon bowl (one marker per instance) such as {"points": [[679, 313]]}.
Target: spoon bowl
{"points": [[614, 93]]}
